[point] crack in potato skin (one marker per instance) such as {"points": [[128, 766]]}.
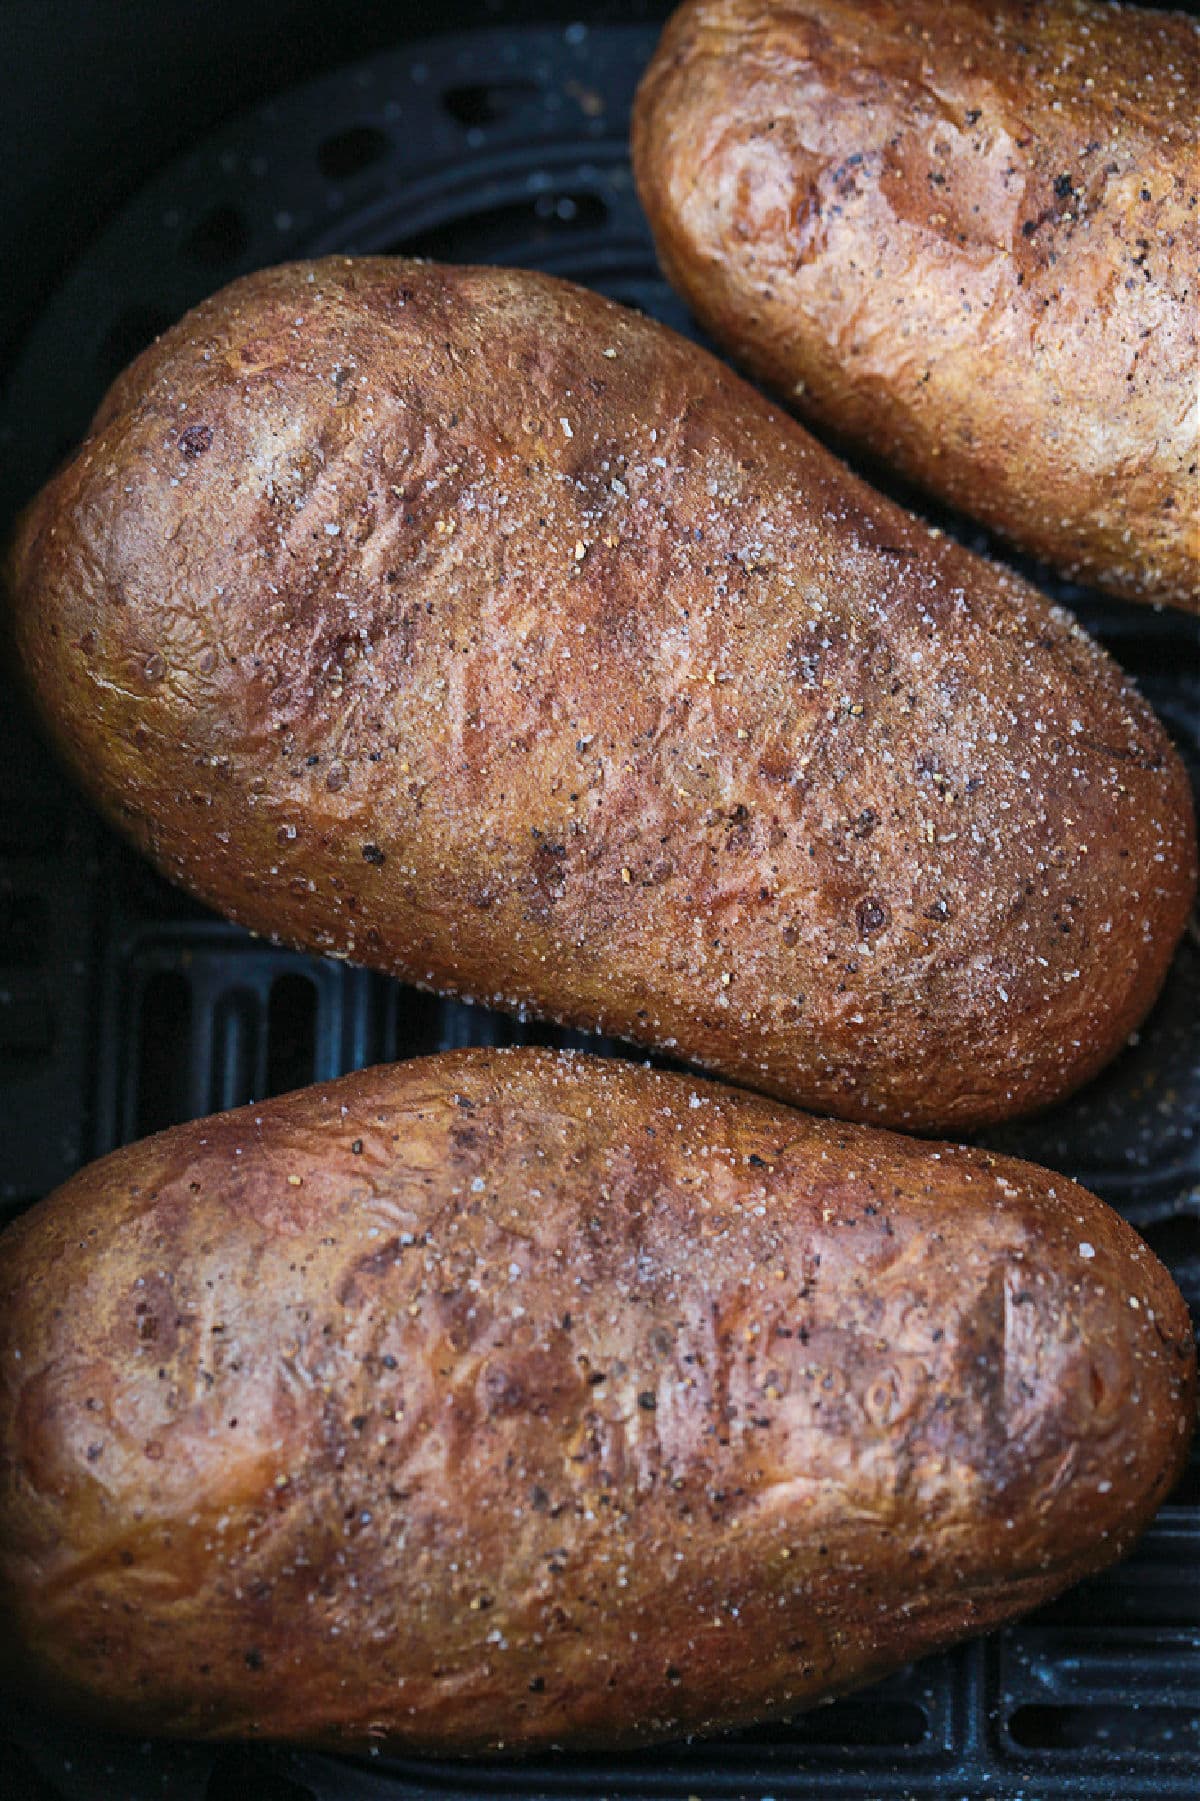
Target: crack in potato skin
{"points": [[503, 1399], [461, 623], [964, 239]]}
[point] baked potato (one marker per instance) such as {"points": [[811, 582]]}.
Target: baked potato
{"points": [[507, 1399], [964, 236], [462, 623]]}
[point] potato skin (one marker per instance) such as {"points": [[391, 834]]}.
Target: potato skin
{"points": [[395, 617], [965, 238], [502, 1399]]}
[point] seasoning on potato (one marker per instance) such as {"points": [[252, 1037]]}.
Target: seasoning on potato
{"points": [[462, 623], [965, 238], [508, 1399]]}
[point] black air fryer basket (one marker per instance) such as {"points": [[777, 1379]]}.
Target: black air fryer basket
{"points": [[124, 1006]]}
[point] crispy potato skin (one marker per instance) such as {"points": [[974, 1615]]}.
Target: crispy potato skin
{"points": [[392, 615], [503, 1399], [963, 236]]}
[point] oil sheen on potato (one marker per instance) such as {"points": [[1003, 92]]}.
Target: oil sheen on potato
{"points": [[461, 623], [506, 1399]]}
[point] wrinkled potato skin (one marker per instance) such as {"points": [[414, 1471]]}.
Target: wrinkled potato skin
{"points": [[504, 1399], [391, 615], [963, 236]]}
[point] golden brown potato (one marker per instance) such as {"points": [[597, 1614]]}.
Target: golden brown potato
{"points": [[965, 237], [504, 1399], [463, 623]]}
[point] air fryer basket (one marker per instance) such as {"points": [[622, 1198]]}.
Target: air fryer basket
{"points": [[124, 1006]]}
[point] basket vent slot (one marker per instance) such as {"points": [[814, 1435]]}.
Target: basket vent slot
{"points": [[164, 1044], [291, 1034], [476, 103], [349, 153]]}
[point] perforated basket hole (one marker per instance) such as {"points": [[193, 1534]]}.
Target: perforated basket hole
{"points": [[349, 153], [220, 237], [487, 102], [853, 1722], [291, 1034], [164, 1043], [493, 231], [409, 1023], [1043, 1727]]}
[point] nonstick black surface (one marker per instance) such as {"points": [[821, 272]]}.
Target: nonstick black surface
{"points": [[124, 1006]]}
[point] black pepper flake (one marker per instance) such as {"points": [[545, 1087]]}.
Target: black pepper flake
{"points": [[871, 915], [757, 1162], [195, 440], [373, 854], [537, 1685], [357, 1146], [648, 1400], [254, 1660], [1063, 187], [1029, 227]]}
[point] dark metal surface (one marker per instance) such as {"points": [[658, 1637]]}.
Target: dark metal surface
{"points": [[124, 1006]]}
